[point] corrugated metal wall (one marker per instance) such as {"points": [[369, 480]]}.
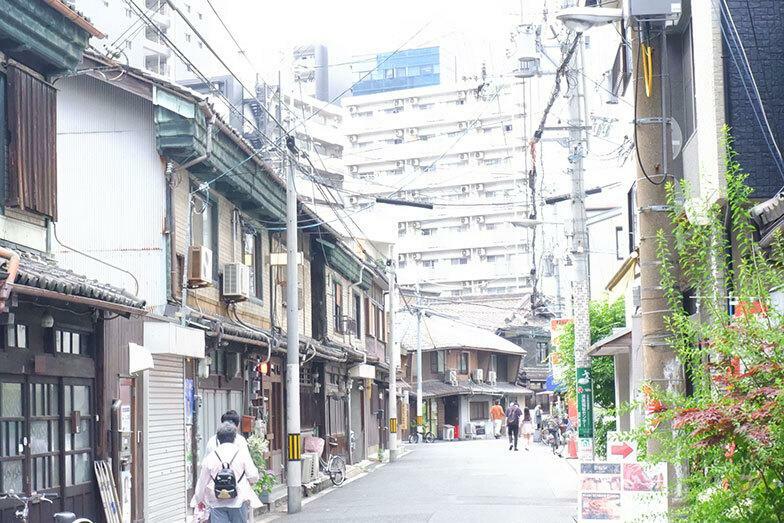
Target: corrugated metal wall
{"points": [[166, 482], [111, 186], [32, 171]]}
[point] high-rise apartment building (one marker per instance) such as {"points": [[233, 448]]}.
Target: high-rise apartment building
{"points": [[460, 147], [392, 71]]}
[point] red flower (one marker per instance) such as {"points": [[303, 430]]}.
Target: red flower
{"points": [[730, 450]]}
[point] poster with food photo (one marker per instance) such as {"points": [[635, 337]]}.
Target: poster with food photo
{"points": [[600, 506], [600, 491]]}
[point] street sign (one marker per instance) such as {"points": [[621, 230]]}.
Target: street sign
{"points": [[585, 449], [620, 450], [584, 402]]}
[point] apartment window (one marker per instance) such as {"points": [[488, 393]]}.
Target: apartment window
{"points": [[252, 257], [459, 261], [479, 410], [187, 37], [357, 314], [337, 290], [400, 72], [128, 44], [428, 263], [370, 324], [128, 13], [201, 17], [16, 337], [204, 228], [426, 69], [494, 362], [437, 362], [200, 44], [381, 324], [401, 265], [389, 74], [463, 367], [543, 349], [428, 232]]}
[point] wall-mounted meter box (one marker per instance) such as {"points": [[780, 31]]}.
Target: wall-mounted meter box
{"points": [[650, 10]]}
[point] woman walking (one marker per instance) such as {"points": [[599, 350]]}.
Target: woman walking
{"points": [[527, 427]]}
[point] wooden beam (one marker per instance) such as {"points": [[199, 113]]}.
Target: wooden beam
{"points": [[80, 300]]}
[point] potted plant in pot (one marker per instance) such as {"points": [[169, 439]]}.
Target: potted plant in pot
{"points": [[257, 446]]}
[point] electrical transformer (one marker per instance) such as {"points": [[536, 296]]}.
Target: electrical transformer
{"points": [[655, 9]]}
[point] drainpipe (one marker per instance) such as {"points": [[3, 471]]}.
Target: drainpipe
{"points": [[351, 296], [189, 234], [12, 269], [171, 264]]}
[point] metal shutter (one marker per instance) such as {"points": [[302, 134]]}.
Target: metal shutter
{"points": [[166, 497]]}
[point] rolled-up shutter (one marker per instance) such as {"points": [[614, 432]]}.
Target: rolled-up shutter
{"points": [[166, 484]]}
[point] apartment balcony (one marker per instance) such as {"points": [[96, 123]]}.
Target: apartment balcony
{"points": [[156, 48], [462, 240], [444, 272]]}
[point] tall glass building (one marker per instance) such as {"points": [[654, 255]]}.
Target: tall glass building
{"points": [[402, 70]]}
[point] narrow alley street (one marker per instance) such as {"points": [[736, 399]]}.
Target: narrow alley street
{"points": [[453, 482]]}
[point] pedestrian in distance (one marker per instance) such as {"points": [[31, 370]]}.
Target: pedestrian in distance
{"points": [[225, 479], [497, 417], [232, 417], [538, 417], [527, 426], [513, 414]]}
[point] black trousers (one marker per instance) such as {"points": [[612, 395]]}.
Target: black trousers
{"points": [[513, 430]]}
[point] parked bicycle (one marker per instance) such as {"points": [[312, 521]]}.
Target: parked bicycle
{"points": [[334, 466], [552, 436], [23, 513], [416, 437]]}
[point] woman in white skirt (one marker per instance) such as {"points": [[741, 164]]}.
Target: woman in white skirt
{"points": [[527, 427]]}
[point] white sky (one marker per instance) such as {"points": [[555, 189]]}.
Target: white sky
{"points": [[348, 28]]}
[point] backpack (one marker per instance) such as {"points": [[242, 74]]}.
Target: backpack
{"points": [[225, 480]]}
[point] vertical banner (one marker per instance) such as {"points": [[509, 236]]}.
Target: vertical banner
{"points": [[584, 402]]}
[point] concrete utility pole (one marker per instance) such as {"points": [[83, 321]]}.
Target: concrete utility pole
{"points": [[654, 147], [293, 465], [419, 420], [393, 357], [580, 284]]}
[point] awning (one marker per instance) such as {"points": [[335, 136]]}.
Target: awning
{"points": [[624, 276], [620, 342], [438, 389]]}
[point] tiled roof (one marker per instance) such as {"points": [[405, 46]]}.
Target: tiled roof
{"points": [[438, 388], [37, 271]]}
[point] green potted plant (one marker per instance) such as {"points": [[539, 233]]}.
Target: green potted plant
{"points": [[257, 446]]}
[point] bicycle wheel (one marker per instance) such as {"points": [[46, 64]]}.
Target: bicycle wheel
{"points": [[429, 437], [413, 438], [337, 470]]}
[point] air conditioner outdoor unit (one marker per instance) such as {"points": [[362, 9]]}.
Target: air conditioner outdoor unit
{"points": [[401, 257], [465, 252], [464, 188], [479, 375], [199, 266], [415, 162], [451, 377], [492, 377], [479, 154], [416, 225], [354, 169], [481, 251], [401, 226], [413, 100], [398, 102], [480, 219], [399, 133], [480, 187], [236, 281], [417, 256], [464, 156], [462, 95], [413, 131], [400, 163], [353, 138], [467, 284], [464, 219], [461, 125], [352, 108], [353, 200]]}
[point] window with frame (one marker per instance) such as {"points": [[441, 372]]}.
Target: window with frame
{"points": [[619, 243], [71, 342], [337, 290], [463, 363], [543, 349], [16, 336], [204, 227], [252, 257], [437, 362], [380, 324], [370, 321], [479, 410], [357, 315]]}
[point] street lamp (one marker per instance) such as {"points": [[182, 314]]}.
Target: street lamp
{"points": [[580, 19]]}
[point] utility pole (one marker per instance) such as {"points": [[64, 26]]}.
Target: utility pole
{"points": [[393, 357], [419, 420], [660, 367], [293, 465], [580, 284]]}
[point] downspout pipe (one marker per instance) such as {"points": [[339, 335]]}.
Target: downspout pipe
{"points": [[351, 295], [189, 234], [12, 269]]}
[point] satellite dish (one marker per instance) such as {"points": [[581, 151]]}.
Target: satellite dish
{"points": [[676, 138]]}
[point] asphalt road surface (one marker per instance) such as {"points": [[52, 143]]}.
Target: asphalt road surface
{"points": [[471, 481]]}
